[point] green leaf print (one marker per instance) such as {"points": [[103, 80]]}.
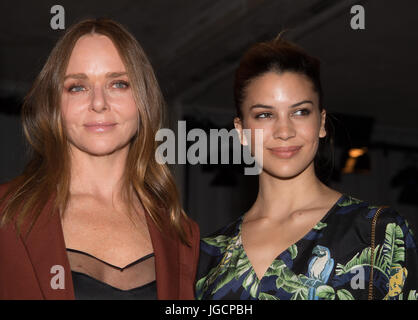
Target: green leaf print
{"points": [[386, 257], [275, 268], [266, 296], [344, 294], [251, 283], [300, 294], [200, 284], [349, 201], [291, 283], [254, 288], [278, 269], [359, 260], [325, 292], [303, 279], [232, 255], [413, 295], [320, 225], [203, 284], [229, 275], [293, 249], [242, 265], [239, 259], [220, 241], [393, 250], [409, 229]]}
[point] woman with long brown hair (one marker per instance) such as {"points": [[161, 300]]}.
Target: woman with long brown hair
{"points": [[94, 215]]}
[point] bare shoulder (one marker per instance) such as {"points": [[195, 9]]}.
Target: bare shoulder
{"points": [[330, 198]]}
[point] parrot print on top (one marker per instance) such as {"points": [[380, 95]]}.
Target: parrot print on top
{"points": [[331, 262], [319, 270]]}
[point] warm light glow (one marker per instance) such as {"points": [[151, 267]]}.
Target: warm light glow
{"points": [[349, 165], [357, 152], [351, 162]]}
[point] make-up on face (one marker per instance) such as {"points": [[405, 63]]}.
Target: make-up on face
{"points": [[285, 107], [98, 108]]}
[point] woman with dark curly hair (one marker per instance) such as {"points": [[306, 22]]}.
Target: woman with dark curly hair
{"points": [[300, 239]]}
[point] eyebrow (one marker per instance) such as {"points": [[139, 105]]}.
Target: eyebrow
{"points": [[82, 76], [263, 106]]}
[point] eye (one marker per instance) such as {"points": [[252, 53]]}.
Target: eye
{"points": [[263, 115], [302, 112], [120, 84], [76, 88]]}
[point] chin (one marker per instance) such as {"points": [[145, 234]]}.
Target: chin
{"points": [[285, 172], [281, 174], [101, 152], [101, 149]]}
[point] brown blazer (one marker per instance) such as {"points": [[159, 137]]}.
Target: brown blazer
{"points": [[25, 263]]}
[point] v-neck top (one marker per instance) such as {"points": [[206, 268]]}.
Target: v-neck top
{"points": [[95, 279], [332, 261]]}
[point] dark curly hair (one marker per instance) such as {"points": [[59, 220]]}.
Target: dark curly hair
{"points": [[279, 55]]}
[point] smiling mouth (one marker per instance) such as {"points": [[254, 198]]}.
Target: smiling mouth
{"points": [[285, 152], [100, 127]]}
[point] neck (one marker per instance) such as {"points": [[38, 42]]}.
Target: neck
{"points": [[98, 176], [279, 198]]}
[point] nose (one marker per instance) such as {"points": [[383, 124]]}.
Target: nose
{"points": [[98, 100], [284, 129]]}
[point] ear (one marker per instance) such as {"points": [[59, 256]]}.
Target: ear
{"points": [[238, 127], [322, 130]]}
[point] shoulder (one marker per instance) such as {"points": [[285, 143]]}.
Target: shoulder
{"points": [[190, 251], [10, 241], [193, 236], [191, 228], [229, 230], [189, 257], [360, 210], [9, 186], [4, 189], [217, 242], [385, 220], [384, 215], [394, 225]]}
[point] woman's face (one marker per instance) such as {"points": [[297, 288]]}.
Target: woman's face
{"points": [[285, 107], [98, 108]]}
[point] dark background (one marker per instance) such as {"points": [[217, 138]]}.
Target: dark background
{"points": [[369, 79]]}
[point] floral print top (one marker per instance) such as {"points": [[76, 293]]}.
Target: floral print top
{"points": [[332, 261]]}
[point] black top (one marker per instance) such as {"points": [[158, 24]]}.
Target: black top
{"points": [[95, 279]]}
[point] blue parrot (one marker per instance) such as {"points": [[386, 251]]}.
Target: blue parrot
{"points": [[319, 270]]}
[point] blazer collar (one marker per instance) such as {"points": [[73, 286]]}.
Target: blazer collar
{"points": [[46, 249], [167, 270]]}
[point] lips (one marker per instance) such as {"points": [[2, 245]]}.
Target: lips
{"points": [[100, 126], [285, 152]]}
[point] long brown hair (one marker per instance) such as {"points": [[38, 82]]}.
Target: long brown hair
{"points": [[48, 172]]}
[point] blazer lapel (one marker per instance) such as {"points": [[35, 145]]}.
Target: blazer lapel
{"points": [[45, 246], [167, 269], [46, 250]]}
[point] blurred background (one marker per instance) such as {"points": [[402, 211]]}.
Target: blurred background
{"points": [[369, 77]]}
